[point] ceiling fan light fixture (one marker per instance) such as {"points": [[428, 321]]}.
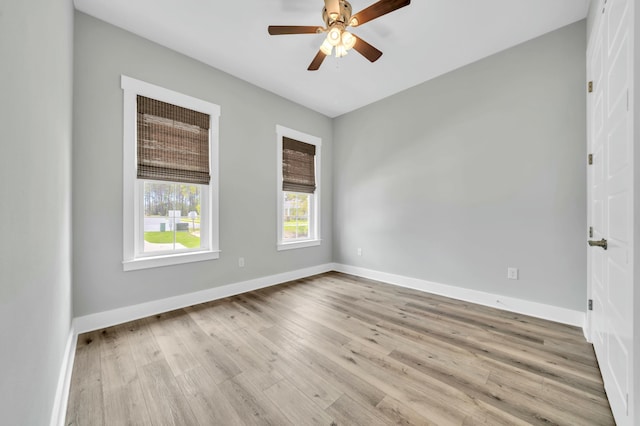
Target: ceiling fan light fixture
{"points": [[334, 36], [348, 40], [326, 47], [340, 51]]}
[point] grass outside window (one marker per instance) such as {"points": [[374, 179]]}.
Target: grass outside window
{"points": [[185, 238]]}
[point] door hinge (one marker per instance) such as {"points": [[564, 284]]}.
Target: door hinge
{"points": [[590, 159], [591, 304], [590, 87], [591, 232]]}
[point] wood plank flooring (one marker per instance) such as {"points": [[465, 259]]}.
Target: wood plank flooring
{"points": [[337, 350]]}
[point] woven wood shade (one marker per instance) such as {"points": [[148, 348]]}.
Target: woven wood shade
{"points": [[298, 166], [173, 143]]}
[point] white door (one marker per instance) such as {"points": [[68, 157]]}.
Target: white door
{"points": [[610, 190]]}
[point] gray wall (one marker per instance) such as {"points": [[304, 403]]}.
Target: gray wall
{"points": [[247, 188], [456, 179], [35, 189]]}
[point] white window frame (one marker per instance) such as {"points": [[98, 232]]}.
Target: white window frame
{"points": [[133, 256], [314, 208]]}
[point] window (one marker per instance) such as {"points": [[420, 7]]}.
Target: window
{"points": [[298, 189], [170, 177]]}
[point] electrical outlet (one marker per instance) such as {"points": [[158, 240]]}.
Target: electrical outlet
{"points": [[241, 262], [512, 273], [359, 251]]}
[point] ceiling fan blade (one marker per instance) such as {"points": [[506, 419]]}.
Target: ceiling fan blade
{"points": [[293, 29], [367, 50], [317, 61], [333, 8], [376, 10]]}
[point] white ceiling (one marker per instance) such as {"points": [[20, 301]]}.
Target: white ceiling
{"points": [[421, 41]]}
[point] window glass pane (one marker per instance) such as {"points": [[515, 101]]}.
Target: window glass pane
{"points": [[296, 216], [171, 216]]}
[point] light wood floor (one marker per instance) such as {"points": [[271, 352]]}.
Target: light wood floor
{"points": [[337, 350]]}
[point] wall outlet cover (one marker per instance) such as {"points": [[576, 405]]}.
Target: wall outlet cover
{"points": [[512, 273]]}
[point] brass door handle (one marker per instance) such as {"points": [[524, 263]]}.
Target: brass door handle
{"points": [[602, 243]]}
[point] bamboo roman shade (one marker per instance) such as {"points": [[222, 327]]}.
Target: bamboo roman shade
{"points": [[173, 143], [298, 166]]}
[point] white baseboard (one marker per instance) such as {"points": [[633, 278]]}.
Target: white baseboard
{"points": [[511, 304], [59, 411], [129, 313]]}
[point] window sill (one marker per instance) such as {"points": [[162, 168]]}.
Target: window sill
{"points": [[168, 260], [298, 244]]}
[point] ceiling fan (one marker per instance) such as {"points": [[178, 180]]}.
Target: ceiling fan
{"points": [[337, 16]]}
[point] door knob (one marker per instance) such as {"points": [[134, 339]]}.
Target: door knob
{"points": [[602, 243]]}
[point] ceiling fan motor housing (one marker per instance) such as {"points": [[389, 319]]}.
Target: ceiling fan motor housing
{"points": [[344, 17]]}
